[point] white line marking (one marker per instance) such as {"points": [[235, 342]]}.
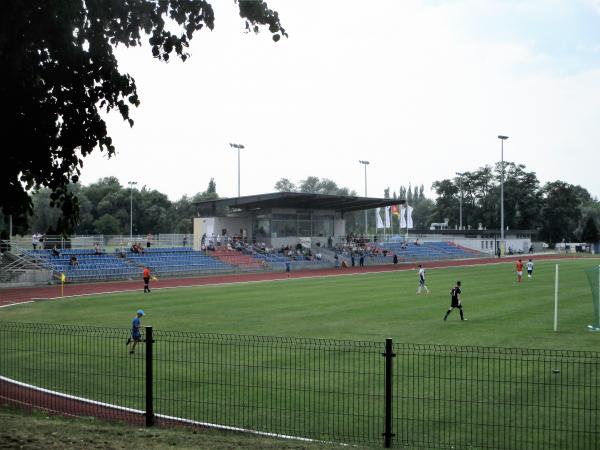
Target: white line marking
{"points": [[18, 303], [161, 416]]}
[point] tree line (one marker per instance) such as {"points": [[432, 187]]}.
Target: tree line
{"points": [[555, 210], [105, 208]]}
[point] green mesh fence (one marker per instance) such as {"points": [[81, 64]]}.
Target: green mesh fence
{"points": [[593, 275]]}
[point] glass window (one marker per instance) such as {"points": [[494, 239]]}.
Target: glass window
{"points": [[304, 228], [323, 226], [262, 228], [284, 228]]}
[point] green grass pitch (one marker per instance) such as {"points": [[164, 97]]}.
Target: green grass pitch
{"points": [[370, 307], [208, 376]]}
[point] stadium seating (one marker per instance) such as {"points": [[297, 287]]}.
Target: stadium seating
{"points": [[90, 266], [177, 260], [428, 250]]}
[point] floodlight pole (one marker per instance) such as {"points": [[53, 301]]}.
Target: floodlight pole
{"points": [[238, 147], [460, 226], [502, 139], [131, 184], [365, 163]]}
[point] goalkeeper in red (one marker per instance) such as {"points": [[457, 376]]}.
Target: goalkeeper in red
{"points": [[455, 301]]}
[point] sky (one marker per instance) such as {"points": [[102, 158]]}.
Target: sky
{"points": [[419, 88]]}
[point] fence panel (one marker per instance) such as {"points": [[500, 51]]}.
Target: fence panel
{"points": [[83, 370], [474, 397], [317, 389]]}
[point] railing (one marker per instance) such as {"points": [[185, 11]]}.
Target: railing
{"points": [[355, 392]]}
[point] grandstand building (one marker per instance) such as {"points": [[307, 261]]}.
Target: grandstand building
{"points": [[282, 218]]}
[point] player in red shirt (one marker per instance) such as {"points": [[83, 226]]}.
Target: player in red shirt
{"points": [[519, 270], [146, 277]]}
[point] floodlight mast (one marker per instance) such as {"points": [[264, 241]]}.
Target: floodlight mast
{"points": [[460, 226], [131, 184], [365, 163], [502, 139], [238, 147]]}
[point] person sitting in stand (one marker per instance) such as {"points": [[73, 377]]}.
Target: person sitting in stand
{"points": [[97, 249], [55, 251], [73, 261]]}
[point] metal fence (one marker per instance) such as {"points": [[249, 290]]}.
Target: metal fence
{"points": [[355, 392]]}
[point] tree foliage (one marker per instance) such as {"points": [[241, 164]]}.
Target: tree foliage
{"points": [[106, 206], [590, 231], [59, 73]]}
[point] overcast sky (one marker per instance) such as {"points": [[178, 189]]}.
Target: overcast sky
{"points": [[420, 88]]}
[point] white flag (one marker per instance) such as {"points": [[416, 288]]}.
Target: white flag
{"points": [[402, 216], [409, 221], [387, 217], [378, 216]]}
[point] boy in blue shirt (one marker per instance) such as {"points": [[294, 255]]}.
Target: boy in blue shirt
{"points": [[136, 334]]}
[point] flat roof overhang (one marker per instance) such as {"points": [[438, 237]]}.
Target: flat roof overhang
{"points": [[297, 200]]}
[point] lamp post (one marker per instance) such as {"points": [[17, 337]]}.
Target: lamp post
{"points": [[365, 163], [238, 146], [460, 227], [502, 139], [131, 184]]}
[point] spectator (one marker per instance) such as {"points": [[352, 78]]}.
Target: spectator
{"points": [[35, 239], [337, 261], [318, 256], [149, 240], [185, 239], [73, 261], [97, 249], [55, 251], [395, 259]]}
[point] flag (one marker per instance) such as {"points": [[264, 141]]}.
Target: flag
{"points": [[63, 278], [387, 217], [409, 221], [378, 216], [402, 216], [395, 210]]}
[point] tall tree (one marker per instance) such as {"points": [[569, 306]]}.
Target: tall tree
{"points": [[59, 72], [561, 212], [590, 233]]}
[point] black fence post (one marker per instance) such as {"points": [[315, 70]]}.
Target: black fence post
{"points": [[149, 378], [389, 354]]}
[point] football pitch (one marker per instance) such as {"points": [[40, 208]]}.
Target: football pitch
{"points": [[369, 306], [221, 373]]}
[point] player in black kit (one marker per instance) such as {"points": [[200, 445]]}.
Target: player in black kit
{"points": [[455, 302]]}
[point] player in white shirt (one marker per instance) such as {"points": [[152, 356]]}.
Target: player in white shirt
{"points": [[529, 268], [422, 280]]}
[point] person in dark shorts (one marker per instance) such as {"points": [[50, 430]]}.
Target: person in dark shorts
{"points": [[146, 277], [136, 334], [455, 302]]}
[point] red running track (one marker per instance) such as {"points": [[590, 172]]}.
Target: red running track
{"points": [[11, 296]]}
